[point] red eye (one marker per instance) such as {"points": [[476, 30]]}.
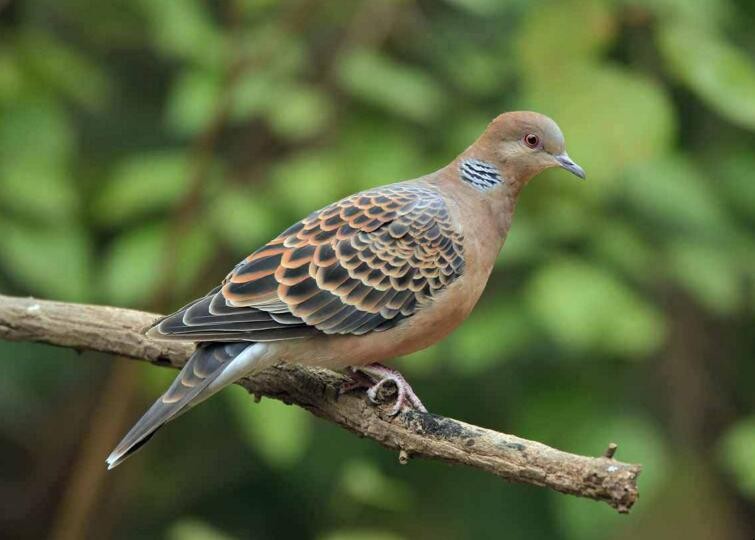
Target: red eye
{"points": [[532, 140]]}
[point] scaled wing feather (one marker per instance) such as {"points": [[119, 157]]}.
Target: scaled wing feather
{"points": [[359, 265]]}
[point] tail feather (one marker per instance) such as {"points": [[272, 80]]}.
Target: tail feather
{"points": [[209, 369]]}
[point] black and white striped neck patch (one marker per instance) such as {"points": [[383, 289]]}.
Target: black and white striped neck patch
{"points": [[481, 174]]}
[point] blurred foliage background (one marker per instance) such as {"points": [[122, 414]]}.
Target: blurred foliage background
{"points": [[146, 146]]}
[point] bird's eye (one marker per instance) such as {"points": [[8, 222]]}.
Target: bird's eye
{"points": [[532, 140]]}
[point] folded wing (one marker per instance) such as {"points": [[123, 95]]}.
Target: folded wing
{"points": [[359, 265]]}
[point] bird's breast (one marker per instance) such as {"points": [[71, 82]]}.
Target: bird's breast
{"points": [[482, 239], [423, 329]]}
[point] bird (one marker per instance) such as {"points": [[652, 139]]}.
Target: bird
{"points": [[376, 275]]}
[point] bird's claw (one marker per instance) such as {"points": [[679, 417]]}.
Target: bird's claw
{"points": [[374, 377]]}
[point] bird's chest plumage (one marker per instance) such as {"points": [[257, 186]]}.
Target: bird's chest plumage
{"points": [[484, 223], [428, 326], [480, 241]]}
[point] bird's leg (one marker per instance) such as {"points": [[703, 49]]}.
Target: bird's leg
{"points": [[356, 379], [374, 377]]}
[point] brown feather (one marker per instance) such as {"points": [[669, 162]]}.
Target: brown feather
{"points": [[362, 263]]}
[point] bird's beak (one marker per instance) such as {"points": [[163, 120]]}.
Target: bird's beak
{"points": [[565, 162]]}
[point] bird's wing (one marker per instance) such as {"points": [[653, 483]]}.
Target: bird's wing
{"points": [[361, 264]]}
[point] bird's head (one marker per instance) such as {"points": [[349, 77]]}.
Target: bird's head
{"points": [[521, 145]]}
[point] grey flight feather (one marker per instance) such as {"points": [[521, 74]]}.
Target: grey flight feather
{"points": [[192, 386]]}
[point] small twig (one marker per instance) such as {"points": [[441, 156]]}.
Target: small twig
{"points": [[118, 331], [611, 450]]}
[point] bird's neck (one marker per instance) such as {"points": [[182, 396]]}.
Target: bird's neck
{"points": [[484, 166], [502, 207], [484, 191]]}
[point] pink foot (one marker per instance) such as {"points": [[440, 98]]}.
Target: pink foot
{"points": [[374, 377]]}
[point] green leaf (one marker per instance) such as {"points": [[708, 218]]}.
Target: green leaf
{"points": [[255, 9], [273, 49], [548, 44], [585, 308], [565, 212], [484, 7], [37, 189], [194, 251], [193, 101], [423, 361], [364, 483], [185, 29], [242, 218], [612, 118], [709, 273], [278, 58], [707, 14], [377, 152], [307, 181], [476, 71], [523, 243], [142, 184], [254, 93], [36, 145], [397, 88], [36, 129], [620, 244], [193, 529], [490, 335], [133, 265], [12, 81], [720, 74], [54, 261], [300, 112], [57, 65], [735, 454], [734, 174], [462, 130], [361, 534], [279, 433], [673, 191]]}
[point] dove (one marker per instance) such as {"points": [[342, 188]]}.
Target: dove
{"points": [[377, 275]]}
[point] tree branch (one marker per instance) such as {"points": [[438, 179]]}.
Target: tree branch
{"points": [[118, 331]]}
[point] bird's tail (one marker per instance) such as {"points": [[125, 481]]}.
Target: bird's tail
{"points": [[210, 368]]}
